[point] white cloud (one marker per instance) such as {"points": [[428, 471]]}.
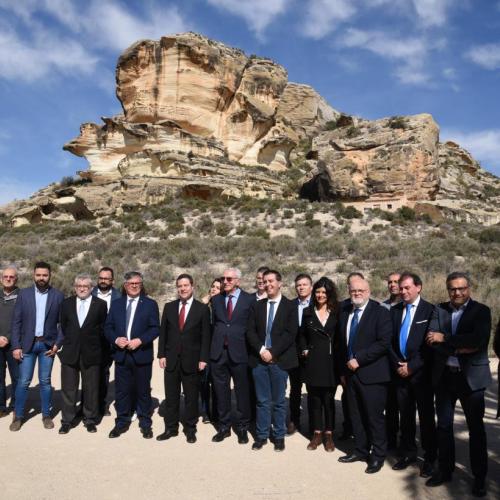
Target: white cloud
{"points": [[258, 14], [486, 56], [432, 12], [323, 16]]}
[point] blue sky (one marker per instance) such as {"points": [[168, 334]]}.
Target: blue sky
{"points": [[372, 58]]}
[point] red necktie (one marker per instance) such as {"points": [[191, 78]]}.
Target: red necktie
{"points": [[182, 316], [229, 307]]}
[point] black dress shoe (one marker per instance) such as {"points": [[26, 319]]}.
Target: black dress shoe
{"points": [[167, 435], [427, 469], [65, 428], [438, 479], [279, 445], [374, 466], [91, 428], [205, 419], [221, 435], [147, 432], [258, 444], [352, 457], [117, 431], [479, 488], [191, 437], [242, 437], [404, 463]]}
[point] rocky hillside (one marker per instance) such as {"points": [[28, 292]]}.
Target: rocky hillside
{"points": [[201, 119]]}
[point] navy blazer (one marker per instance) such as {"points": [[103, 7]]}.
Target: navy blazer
{"points": [[24, 318], [233, 330], [145, 326], [473, 331]]}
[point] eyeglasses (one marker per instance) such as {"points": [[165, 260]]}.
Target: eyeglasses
{"points": [[354, 292], [133, 283], [82, 286], [8, 277], [458, 289], [229, 279]]}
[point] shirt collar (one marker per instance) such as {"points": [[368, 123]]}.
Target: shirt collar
{"points": [[304, 302], [461, 308], [361, 308], [41, 293], [188, 301], [104, 294], [415, 303]]}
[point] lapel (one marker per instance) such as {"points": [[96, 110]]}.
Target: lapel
{"points": [[467, 312], [365, 319], [138, 311], [50, 299], [191, 313], [278, 313], [91, 310], [398, 319], [236, 307]]}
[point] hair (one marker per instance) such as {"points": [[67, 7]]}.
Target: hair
{"points": [[415, 277], [356, 274], [184, 276], [218, 280], [303, 276], [132, 274], [83, 277], [108, 269], [262, 269], [11, 266], [394, 273], [42, 265], [458, 275], [276, 273], [331, 293], [236, 271]]}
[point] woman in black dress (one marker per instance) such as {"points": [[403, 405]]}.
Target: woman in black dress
{"points": [[317, 339]]}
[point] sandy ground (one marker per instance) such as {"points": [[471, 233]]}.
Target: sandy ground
{"points": [[41, 464]]}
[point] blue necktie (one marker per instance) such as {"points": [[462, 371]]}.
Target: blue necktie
{"points": [[353, 330], [270, 317], [405, 329]]}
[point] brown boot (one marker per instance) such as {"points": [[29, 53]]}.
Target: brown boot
{"points": [[315, 441], [329, 444]]}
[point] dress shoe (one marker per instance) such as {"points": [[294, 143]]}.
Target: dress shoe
{"points": [[316, 440], [221, 435], [47, 423], [64, 429], [404, 463], [117, 431], [16, 424], [91, 428], [329, 444], [291, 428], [167, 435], [374, 466], [352, 457], [479, 488], [258, 444], [205, 419], [438, 479], [147, 432], [191, 437], [279, 444], [242, 437], [427, 469]]}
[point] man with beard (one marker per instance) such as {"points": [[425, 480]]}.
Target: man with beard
{"points": [[35, 327]]}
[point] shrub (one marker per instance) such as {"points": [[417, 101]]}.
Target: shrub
{"points": [[222, 229]]}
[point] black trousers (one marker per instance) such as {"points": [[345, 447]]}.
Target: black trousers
{"points": [[104, 383], [367, 404], [321, 403], [295, 397], [222, 371], [417, 396], [207, 395], [70, 380], [191, 388], [392, 417], [450, 388], [347, 424]]}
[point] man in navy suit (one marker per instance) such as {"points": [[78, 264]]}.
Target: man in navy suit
{"points": [[131, 327], [35, 328], [459, 334], [229, 356], [411, 360]]}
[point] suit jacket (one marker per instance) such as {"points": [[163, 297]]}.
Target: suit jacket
{"points": [[473, 331], [87, 340], [24, 319], [321, 342], [371, 346], [418, 353], [145, 326], [283, 333], [115, 294], [234, 329], [189, 346]]}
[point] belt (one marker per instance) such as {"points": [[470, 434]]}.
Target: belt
{"points": [[40, 339], [453, 369]]}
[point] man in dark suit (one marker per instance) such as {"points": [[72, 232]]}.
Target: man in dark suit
{"points": [[229, 356], [460, 333], [81, 345], [365, 339], [183, 352], [411, 360], [272, 329], [131, 326]]}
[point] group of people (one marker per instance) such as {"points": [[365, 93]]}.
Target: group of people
{"points": [[392, 360]]}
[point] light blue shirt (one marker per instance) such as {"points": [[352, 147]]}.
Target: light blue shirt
{"points": [[41, 306], [235, 294], [301, 306], [456, 314]]}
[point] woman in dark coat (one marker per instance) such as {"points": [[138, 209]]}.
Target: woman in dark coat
{"points": [[317, 339]]}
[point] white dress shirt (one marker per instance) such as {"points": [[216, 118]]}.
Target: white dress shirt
{"points": [[86, 304], [105, 296], [412, 311], [135, 301], [189, 303], [455, 318]]}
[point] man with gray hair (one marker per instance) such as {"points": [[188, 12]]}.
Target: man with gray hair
{"points": [[81, 347]]}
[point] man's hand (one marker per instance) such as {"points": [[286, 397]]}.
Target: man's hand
{"points": [[163, 363], [353, 364], [403, 370], [3, 341], [434, 338], [134, 344], [121, 342], [266, 356], [52, 351], [201, 366], [17, 354]]}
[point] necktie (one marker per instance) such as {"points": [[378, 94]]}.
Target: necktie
{"points": [[182, 316], [353, 330], [128, 314], [229, 307], [405, 329], [270, 318], [81, 313]]}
